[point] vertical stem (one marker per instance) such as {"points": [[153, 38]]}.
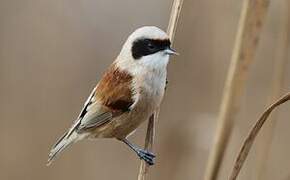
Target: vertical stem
{"points": [[174, 16], [277, 84], [172, 25], [249, 29], [148, 144]]}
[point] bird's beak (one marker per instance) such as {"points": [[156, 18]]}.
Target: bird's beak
{"points": [[170, 51]]}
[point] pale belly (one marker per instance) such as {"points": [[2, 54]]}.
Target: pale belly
{"points": [[121, 126], [149, 94]]}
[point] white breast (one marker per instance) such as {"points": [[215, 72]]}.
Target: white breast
{"points": [[149, 87], [149, 80]]}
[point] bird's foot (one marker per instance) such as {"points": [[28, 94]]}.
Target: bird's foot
{"points": [[147, 156]]}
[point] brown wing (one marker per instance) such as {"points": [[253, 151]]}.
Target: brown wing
{"points": [[111, 97], [114, 90]]}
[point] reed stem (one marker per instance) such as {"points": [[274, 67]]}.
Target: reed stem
{"points": [[279, 69], [248, 143], [249, 29], [149, 140]]}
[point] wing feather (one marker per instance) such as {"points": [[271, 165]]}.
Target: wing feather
{"points": [[110, 98]]}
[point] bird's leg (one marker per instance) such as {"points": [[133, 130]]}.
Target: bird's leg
{"points": [[147, 156]]}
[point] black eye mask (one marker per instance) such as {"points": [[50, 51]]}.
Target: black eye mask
{"points": [[145, 47]]}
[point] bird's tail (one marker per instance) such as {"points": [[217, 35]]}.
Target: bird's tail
{"points": [[60, 145]]}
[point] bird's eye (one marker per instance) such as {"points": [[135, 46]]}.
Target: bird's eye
{"points": [[151, 46]]}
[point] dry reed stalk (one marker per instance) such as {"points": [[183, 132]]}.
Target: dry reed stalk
{"points": [[249, 29], [149, 140], [277, 83], [246, 147], [174, 16]]}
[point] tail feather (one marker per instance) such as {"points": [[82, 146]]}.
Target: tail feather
{"points": [[60, 145]]}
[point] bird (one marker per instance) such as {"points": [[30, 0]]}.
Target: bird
{"points": [[128, 93]]}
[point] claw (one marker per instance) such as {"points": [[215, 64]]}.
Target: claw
{"points": [[147, 156]]}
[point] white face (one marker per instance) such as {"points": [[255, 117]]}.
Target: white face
{"points": [[147, 47], [154, 61]]}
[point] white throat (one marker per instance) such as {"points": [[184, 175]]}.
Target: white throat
{"points": [[155, 63]]}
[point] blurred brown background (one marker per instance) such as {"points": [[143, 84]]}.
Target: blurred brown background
{"points": [[52, 52]]}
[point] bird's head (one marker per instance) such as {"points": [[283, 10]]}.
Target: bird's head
{"points": [[147, 47]]}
